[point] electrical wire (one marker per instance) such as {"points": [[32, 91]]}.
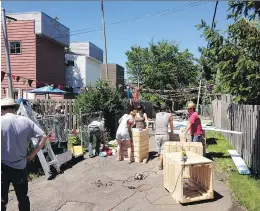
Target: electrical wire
{"points": [[138, 188], [135, 18], [131, 20]]}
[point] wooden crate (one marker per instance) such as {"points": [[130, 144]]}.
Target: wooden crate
{"points": [[140, 146], [197, 187], [172, 146]]}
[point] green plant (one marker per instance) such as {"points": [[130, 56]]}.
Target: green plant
{"points": [[100, 97], [75, 140]]}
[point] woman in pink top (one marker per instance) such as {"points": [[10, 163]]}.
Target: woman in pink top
{"points": [[194, 124]]}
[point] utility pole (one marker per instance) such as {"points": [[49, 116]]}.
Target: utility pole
{"points": [[212, 27], [104, 36], [8, 66]]}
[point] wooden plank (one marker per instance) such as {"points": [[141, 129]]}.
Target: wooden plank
{"points": [[70, 116], [171, 146], [239, 162]]}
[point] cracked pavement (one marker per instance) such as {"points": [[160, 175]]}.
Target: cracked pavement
{"points": [[99, 184]]}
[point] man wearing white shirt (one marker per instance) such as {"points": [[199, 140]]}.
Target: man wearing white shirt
{"points": [[16, 133], [96, 129]]}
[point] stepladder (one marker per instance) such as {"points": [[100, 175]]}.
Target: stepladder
{"points": [[46, 155]]}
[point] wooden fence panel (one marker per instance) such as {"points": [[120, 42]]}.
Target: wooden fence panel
{"points": [[47, 107], [244, 118]]}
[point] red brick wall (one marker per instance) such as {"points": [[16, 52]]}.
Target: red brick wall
{"points": [[23, 64], [50, 59]]}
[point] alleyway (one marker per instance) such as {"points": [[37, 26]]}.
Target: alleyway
{"points": [[97, 185]]}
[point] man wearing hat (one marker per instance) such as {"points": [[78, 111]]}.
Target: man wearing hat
{"points": [[16, 132], [163, 118], [194, 124]]}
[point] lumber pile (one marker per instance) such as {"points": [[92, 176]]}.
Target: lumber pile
{"points": [[196, 186]]}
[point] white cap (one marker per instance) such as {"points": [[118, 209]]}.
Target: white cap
{"points": [[8, 102]]}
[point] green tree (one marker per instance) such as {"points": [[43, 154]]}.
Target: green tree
{"points": [[234, 59], [100, 97], [248, 9], [137, 61], [162, 65]]}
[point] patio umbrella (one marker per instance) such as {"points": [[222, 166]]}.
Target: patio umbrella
{"points": [[46, 90]]}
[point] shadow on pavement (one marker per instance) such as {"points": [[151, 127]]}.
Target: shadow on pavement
{"points": [[217, 196], [66, 166], [153, 155]]}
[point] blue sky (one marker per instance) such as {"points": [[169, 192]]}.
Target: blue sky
{"points": [[177, 26]]}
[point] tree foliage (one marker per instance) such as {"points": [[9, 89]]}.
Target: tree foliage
{"points": [[248, 9], [100, 97], [154, 98], [232, 60], [161, 65]]}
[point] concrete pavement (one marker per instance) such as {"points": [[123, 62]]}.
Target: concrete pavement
{"points": [[104, 184]]}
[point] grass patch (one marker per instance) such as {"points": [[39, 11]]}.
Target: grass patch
{"points": [[245, 188]]}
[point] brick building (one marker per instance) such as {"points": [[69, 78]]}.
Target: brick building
{"points": [[36, 47]]}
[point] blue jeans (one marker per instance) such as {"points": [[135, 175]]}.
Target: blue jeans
{"points": [[94, 132], [195, 138]]}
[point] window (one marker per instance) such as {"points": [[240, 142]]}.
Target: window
{"points": [[16, 93], [15, 47], [70, 63]]}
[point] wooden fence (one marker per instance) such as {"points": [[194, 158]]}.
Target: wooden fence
{"points": [[46, 107], [243, 118]]}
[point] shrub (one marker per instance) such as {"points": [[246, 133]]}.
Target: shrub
{"points": [[100, 97]]}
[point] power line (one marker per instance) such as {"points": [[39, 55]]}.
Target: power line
{"points": [[135, 18], [213, 19], [131, 20]]}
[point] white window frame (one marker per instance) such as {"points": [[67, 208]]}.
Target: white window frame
{"points": [[15, 41], [14, 90]]}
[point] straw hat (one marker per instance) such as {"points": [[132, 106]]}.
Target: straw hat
{"points": [[8, 102], [191, 105]]}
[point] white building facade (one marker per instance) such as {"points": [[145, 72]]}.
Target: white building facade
{"points": [[83, 65]]}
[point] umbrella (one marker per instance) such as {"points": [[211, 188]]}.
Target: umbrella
{"points": [[46, 90]]}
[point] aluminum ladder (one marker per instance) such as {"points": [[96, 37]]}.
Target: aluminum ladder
{"points": [[26, 110]]}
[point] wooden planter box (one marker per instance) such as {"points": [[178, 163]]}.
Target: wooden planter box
{"points": [[140, 146], [172, 146], [196, 186]]}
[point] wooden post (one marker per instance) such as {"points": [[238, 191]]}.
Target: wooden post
{"points": [[7, 57], [104, 37]]}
